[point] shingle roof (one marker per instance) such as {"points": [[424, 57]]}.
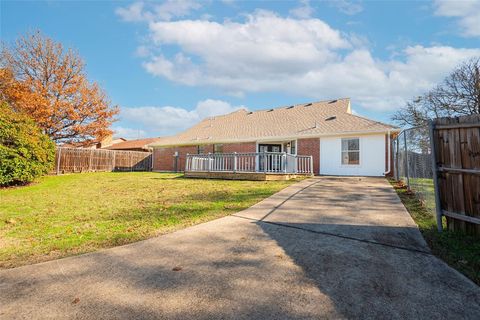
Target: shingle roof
{"points": [[302, 120], [134, 144]]}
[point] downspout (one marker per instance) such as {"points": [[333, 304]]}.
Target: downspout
{"points": [[389, 154]]}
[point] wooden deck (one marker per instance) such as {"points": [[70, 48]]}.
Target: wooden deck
{"points": [[260, 166]]}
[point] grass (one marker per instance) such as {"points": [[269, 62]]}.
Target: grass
{"points": [[460, 251], [71, 214], [425, 191]]}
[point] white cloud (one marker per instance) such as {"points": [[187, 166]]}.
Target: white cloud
{"points": [[211, 107], [165, 11], [179, 69], [231, 53], [385, 85], [269, 53], [466, 11], [304, 11], [134, 13], [129, 133], [142, 51], [176, 8], [159, 121], [347, 7]]}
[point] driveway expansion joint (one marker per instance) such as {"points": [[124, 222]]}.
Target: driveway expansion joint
{"points": [[334, 235]]}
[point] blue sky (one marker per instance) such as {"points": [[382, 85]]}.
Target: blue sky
{"points": [[168, 64]]}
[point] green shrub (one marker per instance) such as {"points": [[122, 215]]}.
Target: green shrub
{"points": [[25, 152]]}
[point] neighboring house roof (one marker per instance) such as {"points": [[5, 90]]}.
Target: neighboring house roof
{"points": [[110, 141], [106, 142], [133, 144], [302, 120]]}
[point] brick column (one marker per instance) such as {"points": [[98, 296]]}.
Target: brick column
{"points": [[310, 147]]}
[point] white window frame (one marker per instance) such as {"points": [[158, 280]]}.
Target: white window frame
{"points": [[296, 146], [348, 150]]}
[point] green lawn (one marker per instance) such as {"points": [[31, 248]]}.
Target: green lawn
{"points": [[71, 214], [460, 251]]}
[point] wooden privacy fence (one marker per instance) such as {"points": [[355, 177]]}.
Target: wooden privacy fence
{"points": [[68, 160], [456, 171]]}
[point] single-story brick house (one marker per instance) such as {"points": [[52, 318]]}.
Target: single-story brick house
{"points": [[336, 141]]}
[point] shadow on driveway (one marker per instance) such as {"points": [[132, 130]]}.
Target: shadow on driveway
{"points": [[380, 276]]}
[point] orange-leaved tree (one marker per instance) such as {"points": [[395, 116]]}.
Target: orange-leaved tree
{"points": [[41, 79]]}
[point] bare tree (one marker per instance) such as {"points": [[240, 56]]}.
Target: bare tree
{"points": [[458, 94]]}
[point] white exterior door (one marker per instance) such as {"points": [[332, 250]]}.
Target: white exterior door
{"points": [[367, 158]]}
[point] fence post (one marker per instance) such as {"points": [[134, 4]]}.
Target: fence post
{"points": [[264, 162], [114, 159], [58, 160], [397, 174], [235, 162], [311, 165], [209, 162], [406, 160], [152, 158], [438, 205]]}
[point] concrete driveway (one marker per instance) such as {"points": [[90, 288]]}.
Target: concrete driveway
{"points": [[326, 247]]}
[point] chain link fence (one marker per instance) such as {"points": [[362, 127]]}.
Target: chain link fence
{"points": [[413, 164]]}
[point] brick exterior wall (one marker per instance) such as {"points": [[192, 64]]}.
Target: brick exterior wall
{"points": [[240, 147], [164, 160], [310, 147]]}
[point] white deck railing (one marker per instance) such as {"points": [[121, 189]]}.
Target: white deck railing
{"points": [[267, 162]]}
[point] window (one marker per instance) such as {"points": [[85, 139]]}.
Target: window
{"points": [[351, 151], [200, 149], [293, 147], [218, 148]]}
